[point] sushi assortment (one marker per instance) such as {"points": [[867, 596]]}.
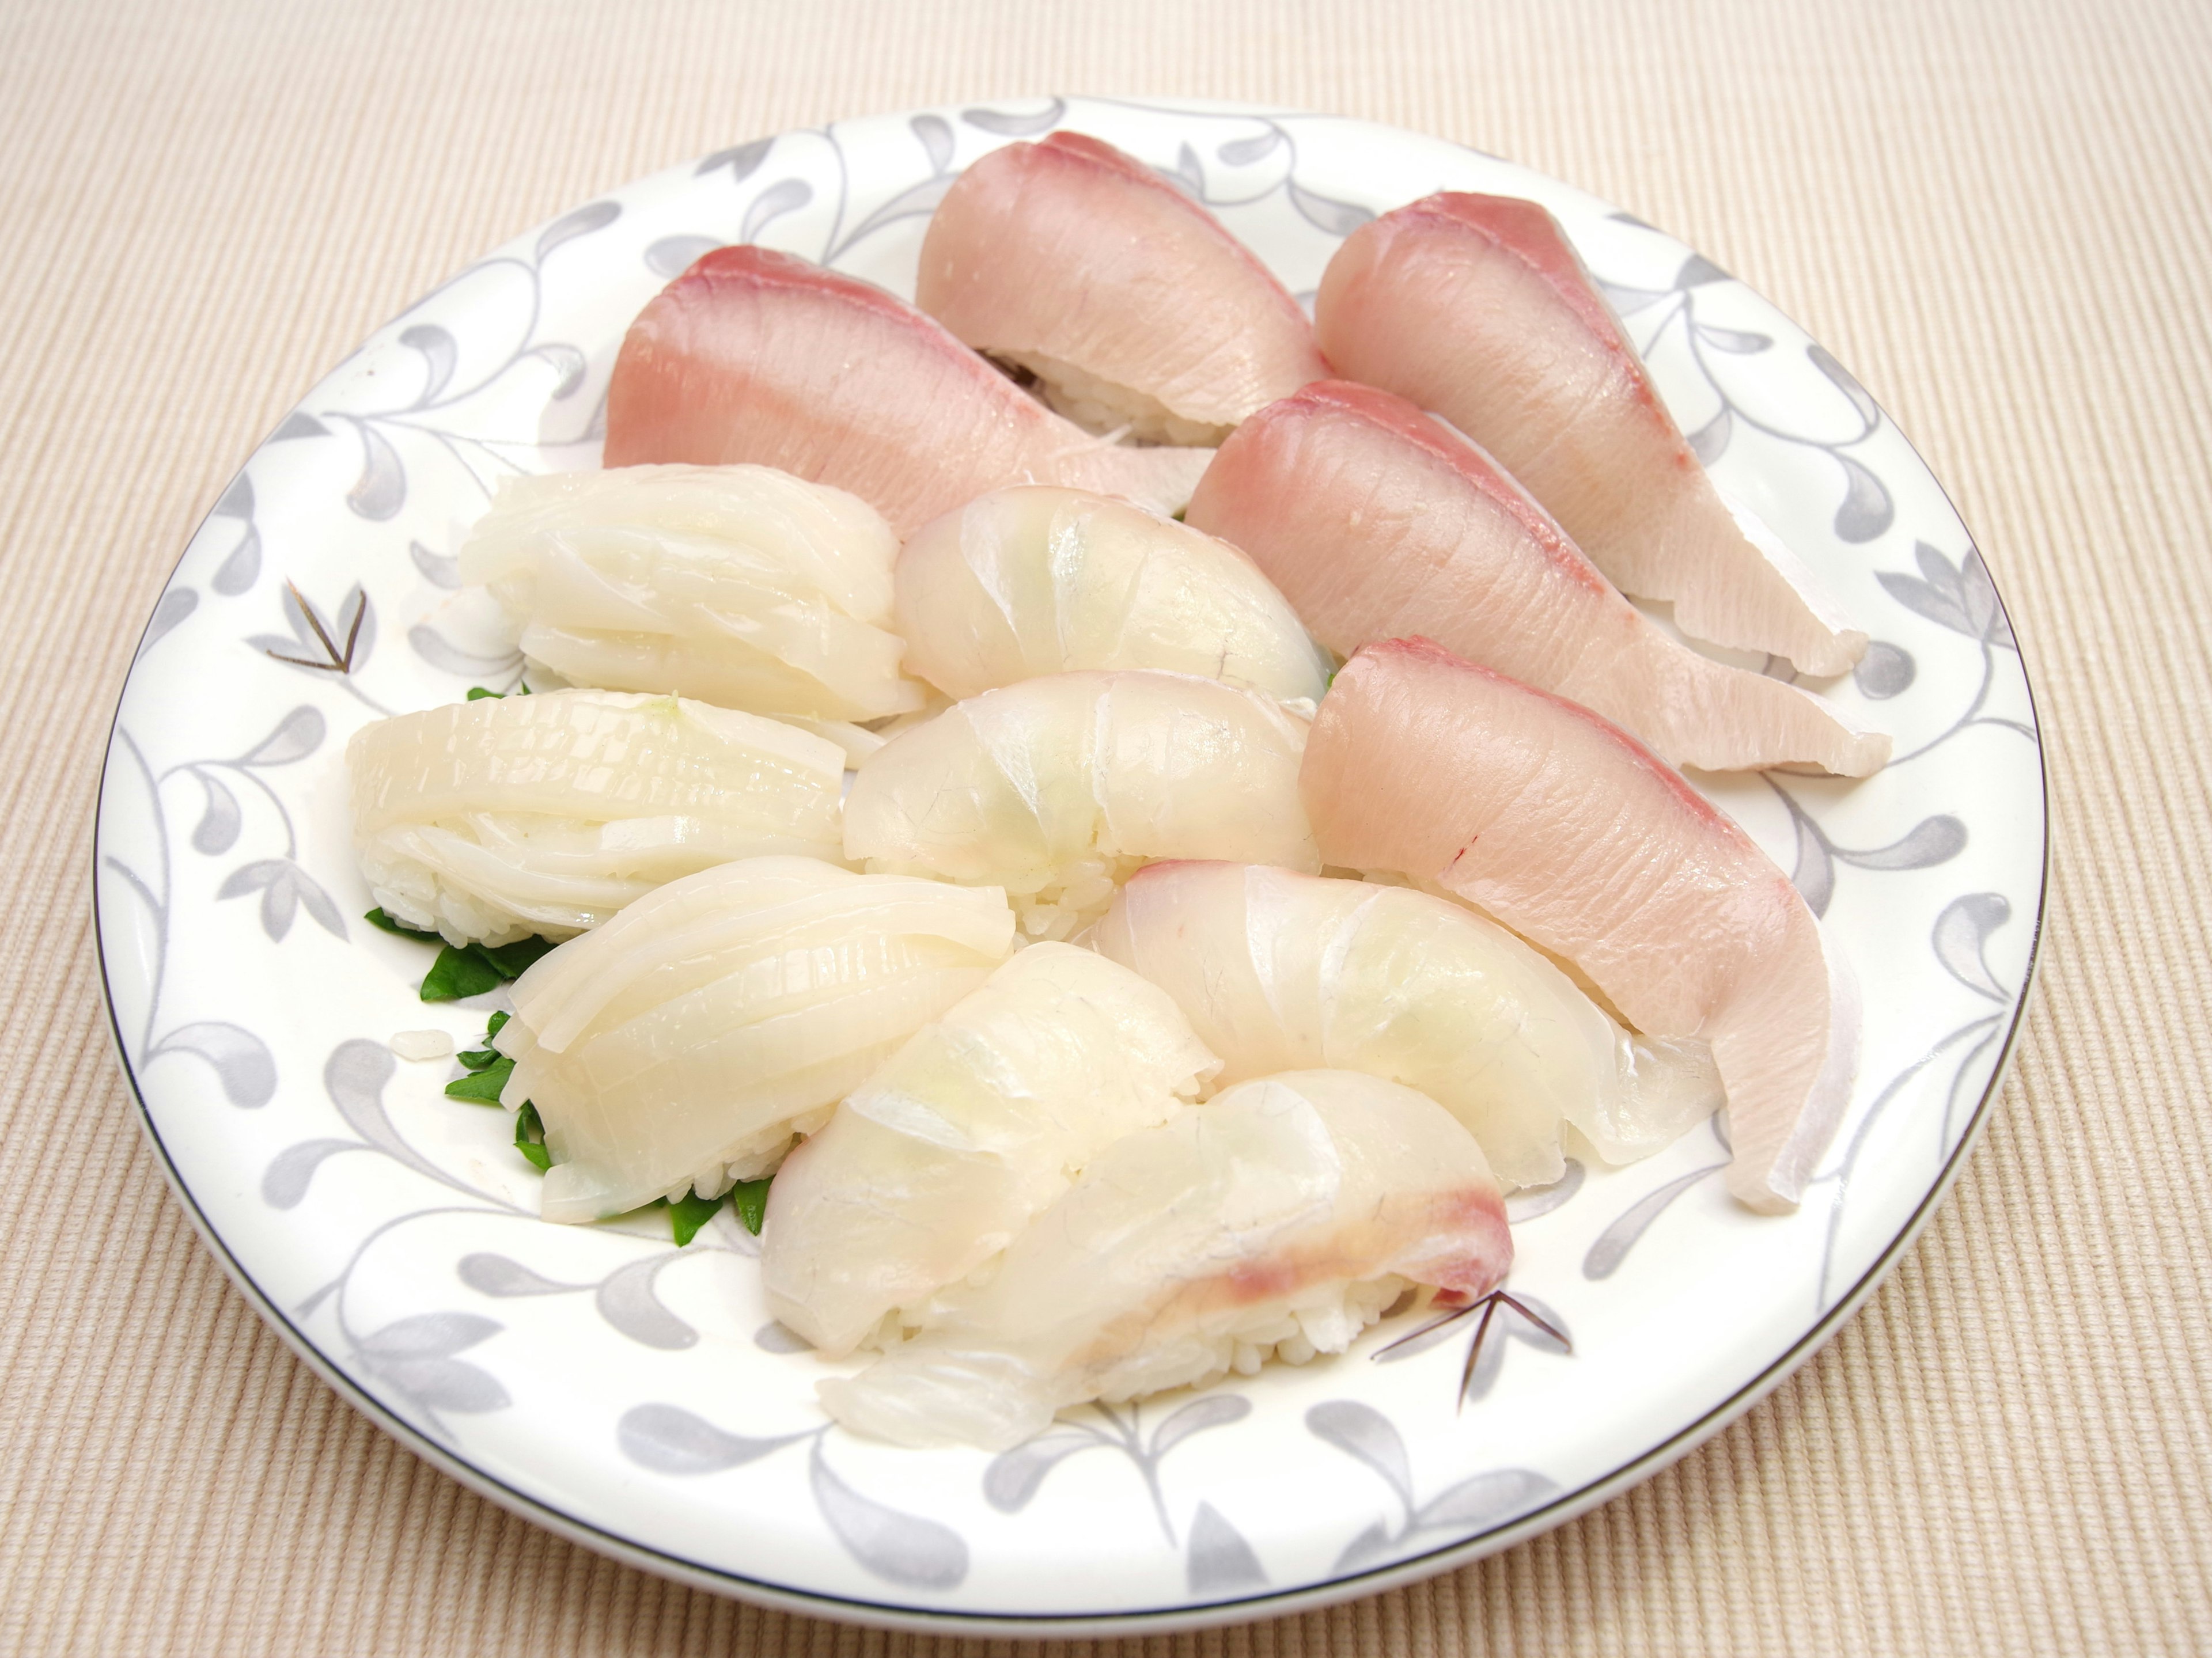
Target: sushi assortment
{"points": [[1143, 816]]}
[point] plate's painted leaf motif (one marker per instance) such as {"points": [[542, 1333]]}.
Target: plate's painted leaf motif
{"points": [[1012, 1477], [176, 605], [439, 569], [1867, 511], [1697, 271], [936, 135], [285, 1182], [1932, 841], [1531, 1201], [1815, 876], [440, 355], [217, 830], [354, 1077], [777, 1337], [1711, 441], [1362, 1431], [1736, 341], [1486, 1501], [1011, 124], [1242, 152], [1188, 174], [284, 888], [1218, 1561], [1371, 1547], [899, 1547], [294, 736], [414, 1355], [1886, 670], [668, 1439], [242, 1062], [743, 161], [1210, 1411], [671, 256], [786, 196], [1962, 935], [1507, 1325], [441, 653], [298, 424], [1614, 1243], [1325, 213], [237, 500], [1627, 302], [913, 203], [1960, 597], [1847, 383], [627, 1302], [489, 1274], [592, 215], [236, 573], [566, 360], [381, 489]]}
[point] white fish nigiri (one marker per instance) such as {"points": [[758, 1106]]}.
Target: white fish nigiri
{"points": [[1284, 972], [1125, 298], [1573, 834], [1377, 521], [932, 1166], [756, 355], [495, 819], [1280, 1220], [1036, 579], [1478, 307], [737, 584], [683, 1045], [1056, 788]]}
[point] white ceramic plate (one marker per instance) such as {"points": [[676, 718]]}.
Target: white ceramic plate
{"points": [[637, 1398]]}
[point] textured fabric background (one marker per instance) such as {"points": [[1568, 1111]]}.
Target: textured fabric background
{"points": [[1998, 214]]}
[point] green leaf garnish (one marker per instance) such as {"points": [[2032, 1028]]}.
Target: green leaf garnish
{"points": [[377, 918], [459, 973], [477, 1059], [687, 1214], [749, 1199], [484, 1085], [499, 1016], [478, 693], [530, 1138], [512, 960]]}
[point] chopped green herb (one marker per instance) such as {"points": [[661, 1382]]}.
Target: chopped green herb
{"points": [[478, 693], [459, 973], [1331, 680], [687, 1214], [511, 961], [530, 1138], [377, 918], [477, 1059], [483, 1085], [749, 1199], [499, 1016]]}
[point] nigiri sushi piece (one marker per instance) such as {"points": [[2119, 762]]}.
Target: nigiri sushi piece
{"points": [[683, 1045], [1279, 1220], [495, 819], [1035, 579], [1125, 299], [1377, 521], [1573, 834], [737, 584], [1478, 307], [1279, 971], [931, 1167], [1057, 788], [752, 355]]}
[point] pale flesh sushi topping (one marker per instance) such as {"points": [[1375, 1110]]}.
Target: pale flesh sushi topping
{"points": [[1478, 307], [1126, 299], [1281, 1218], [932, 1165], [1279, 971], [1036, 579], [1377, 521], [495, 819], [752, 355], [736, 585], [682, 1046], [1573, 834], [1057, 788]]}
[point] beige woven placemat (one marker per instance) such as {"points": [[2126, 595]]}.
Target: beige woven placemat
{"points": [[1997, 212]]}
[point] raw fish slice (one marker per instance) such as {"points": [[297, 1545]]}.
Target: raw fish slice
{"points": [[1282, 1218], [1376, 522], [1126, 299], [1036, 581], [1057, 788], [1278, 971], [737, 584], [932, 1166], [1573, 834], [504, 816], [681, 1046], [1477, 307], [755, 355]]}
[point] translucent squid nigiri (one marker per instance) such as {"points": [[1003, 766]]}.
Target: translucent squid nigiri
{"points": [[1057, 788], [683, 1044], [737, 584], [1280, 972], [1280, 1220], [932, 1166], [1575, 835], [1125, 298], [1036, 581], [756, 355], [1477, 307], [505, 817], [1377, 521]]}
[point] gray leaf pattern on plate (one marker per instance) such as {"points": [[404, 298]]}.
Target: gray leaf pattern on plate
{"points": [[1218, 1560], [899, 1547]]}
